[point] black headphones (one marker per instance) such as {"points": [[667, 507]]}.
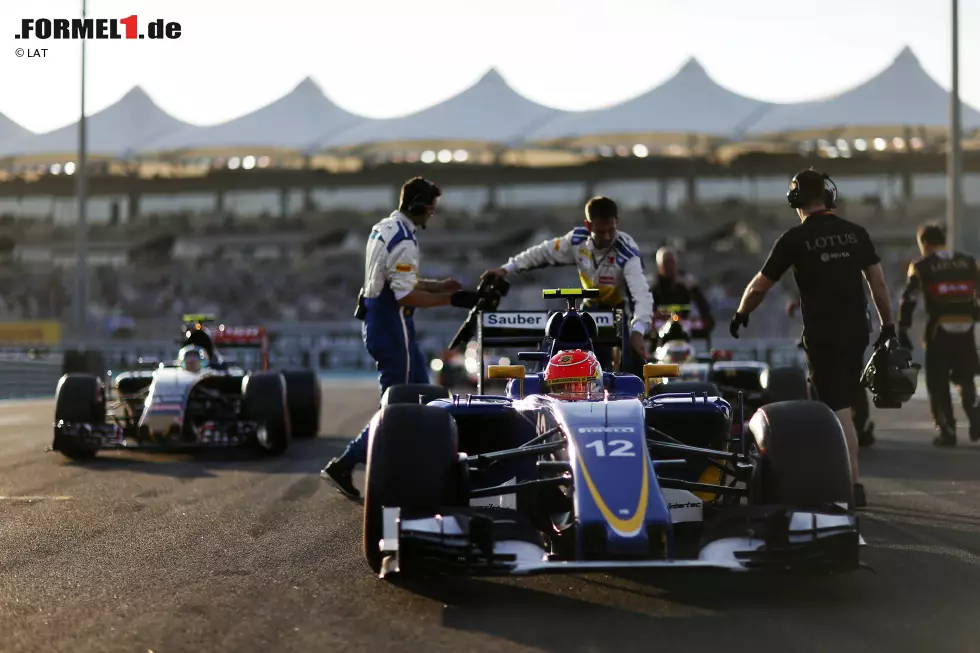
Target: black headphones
{"points": [[422, 199], [829, 192]]}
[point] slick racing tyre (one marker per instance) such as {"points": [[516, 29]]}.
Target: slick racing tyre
{"points": [[802, 456], [264, 401], [304, 398], [413, 393], [411, 465], [787, 384], [79, 398]]}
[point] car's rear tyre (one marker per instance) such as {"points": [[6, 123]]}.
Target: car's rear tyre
{"points": [[264, 401], [413, 393], [697, 387], [802, 456], [787, 384], [411, 464], [79, 398], [304, 399]]}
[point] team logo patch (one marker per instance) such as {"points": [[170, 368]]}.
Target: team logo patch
{"points": [[404, 267], [565, 359]]}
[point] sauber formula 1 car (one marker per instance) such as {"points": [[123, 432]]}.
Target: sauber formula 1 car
{"points": [[524, 483], [171, 408], [715, 370]]}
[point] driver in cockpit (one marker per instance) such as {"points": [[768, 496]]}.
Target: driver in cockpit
{"points": [[193, 358]]}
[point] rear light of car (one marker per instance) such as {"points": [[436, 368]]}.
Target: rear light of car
{"points": [[721, 355]]}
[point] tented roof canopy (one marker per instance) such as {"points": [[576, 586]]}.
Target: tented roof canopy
{"points": [[901, 96], [689, 103], [488, 113], [11, 131], [295, 122], [116, 132]]}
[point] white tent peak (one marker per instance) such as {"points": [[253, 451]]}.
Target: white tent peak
{"points": [[491, 86], [900, 95], [907, 56], [11, 131], [117, 130], [689, 102], [296, 121], [493, 79], [692, 68], [488, 111]]}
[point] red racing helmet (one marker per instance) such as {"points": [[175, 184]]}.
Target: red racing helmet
{"points": [[575, 375]]}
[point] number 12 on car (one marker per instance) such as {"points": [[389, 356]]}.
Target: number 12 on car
{"points": [[620, 448]]}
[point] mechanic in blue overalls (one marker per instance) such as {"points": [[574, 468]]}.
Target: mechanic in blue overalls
{"points": [[392, 291]]}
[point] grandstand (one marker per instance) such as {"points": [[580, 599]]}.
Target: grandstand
{"points": [[264, 217]]}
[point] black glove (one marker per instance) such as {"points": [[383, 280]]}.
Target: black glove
{"points": [[737, 320], [464, 298], [887, 333]]}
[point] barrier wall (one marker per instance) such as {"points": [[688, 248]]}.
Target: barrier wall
{"points": [[32, 373], [29, 379]]}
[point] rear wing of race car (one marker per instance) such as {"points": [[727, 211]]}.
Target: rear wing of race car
{"points": [[243, 337], [527, 329]]}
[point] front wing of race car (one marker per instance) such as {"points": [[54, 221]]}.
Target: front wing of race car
{"points": [[782, 539], [111, 435]]}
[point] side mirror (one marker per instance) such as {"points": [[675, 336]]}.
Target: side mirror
{"points": [[507, 372], [658, 371]]}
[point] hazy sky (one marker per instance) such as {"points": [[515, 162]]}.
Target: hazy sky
{"points": [[382, 58]]}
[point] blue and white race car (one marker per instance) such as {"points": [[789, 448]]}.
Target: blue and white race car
{"points": [[525, 483], [171, 407]]}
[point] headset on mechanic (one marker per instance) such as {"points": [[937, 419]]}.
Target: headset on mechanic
{"points": [[831, 259], [392, 291]]}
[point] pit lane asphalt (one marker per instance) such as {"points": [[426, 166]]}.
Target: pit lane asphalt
{"points": [[164, 553]]}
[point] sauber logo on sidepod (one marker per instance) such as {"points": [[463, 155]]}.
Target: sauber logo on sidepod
{"points": [[521, 320]]}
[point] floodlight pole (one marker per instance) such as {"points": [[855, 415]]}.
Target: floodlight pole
{"points": [[81, 271], [960, 235]]}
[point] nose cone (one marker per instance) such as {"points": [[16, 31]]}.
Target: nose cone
{"points": [[162, 420]]}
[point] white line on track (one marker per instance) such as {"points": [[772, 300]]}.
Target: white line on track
{"points": [[15, 420], [918, 493], [949, 551], [35, 498]]}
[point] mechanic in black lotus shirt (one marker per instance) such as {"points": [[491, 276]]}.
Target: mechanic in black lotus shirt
{"points": [[948, 280], [831, 259]]}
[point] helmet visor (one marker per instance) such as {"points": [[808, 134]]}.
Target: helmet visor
{"points": [[575, 389]]}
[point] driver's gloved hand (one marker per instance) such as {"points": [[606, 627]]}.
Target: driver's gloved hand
{"points": [[464, 298]]}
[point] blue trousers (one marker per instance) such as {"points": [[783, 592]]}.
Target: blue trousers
{"points": [[396, 365]]}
